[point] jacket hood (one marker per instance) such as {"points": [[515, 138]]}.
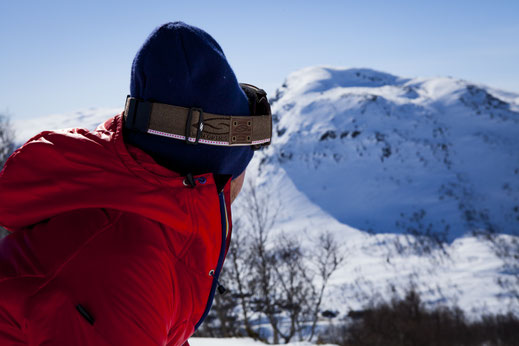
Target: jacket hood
{"points": [[60, 171]]}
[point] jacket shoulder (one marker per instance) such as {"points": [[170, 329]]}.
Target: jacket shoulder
{"points": [[62, 145]]}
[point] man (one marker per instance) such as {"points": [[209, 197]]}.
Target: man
{"points": [[119, 235]]}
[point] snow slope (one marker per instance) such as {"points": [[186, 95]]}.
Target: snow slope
{"points": [[388, 154], [465, 272]]}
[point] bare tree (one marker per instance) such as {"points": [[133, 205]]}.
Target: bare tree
{"points": [[421, 236], [290, 296], [273, 277], [260, 216], [327, 258], [6, 148], [239, 267], [506, 247], [6, 139]]}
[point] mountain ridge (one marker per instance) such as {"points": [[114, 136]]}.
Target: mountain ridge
{"points": [[425, 142]]}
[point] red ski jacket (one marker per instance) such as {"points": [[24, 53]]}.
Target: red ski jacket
{"points": [[107, 247]]}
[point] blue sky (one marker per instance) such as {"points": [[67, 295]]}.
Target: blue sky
{"points": [[63, 56]]}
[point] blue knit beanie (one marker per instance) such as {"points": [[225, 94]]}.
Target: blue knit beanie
{"points": [[184, 66]]}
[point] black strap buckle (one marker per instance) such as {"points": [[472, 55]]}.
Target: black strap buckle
{"points": [[139, 112], [200, 125]]}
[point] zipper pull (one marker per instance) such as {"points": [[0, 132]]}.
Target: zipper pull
{"points": [[221, 289], [189, 180]]}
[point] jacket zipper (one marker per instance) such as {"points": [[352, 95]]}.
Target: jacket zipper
{"points": [[216, 274]]}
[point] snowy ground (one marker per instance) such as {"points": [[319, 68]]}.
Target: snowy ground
{"points": [[237, 342], [466, 273]]}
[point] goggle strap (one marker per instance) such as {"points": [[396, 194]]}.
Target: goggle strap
{"points": [[195, 126]]}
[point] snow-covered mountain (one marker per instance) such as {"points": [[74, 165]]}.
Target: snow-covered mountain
{"points": [[389, 154], [87, 118], [358, 152], [373, 158]]}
